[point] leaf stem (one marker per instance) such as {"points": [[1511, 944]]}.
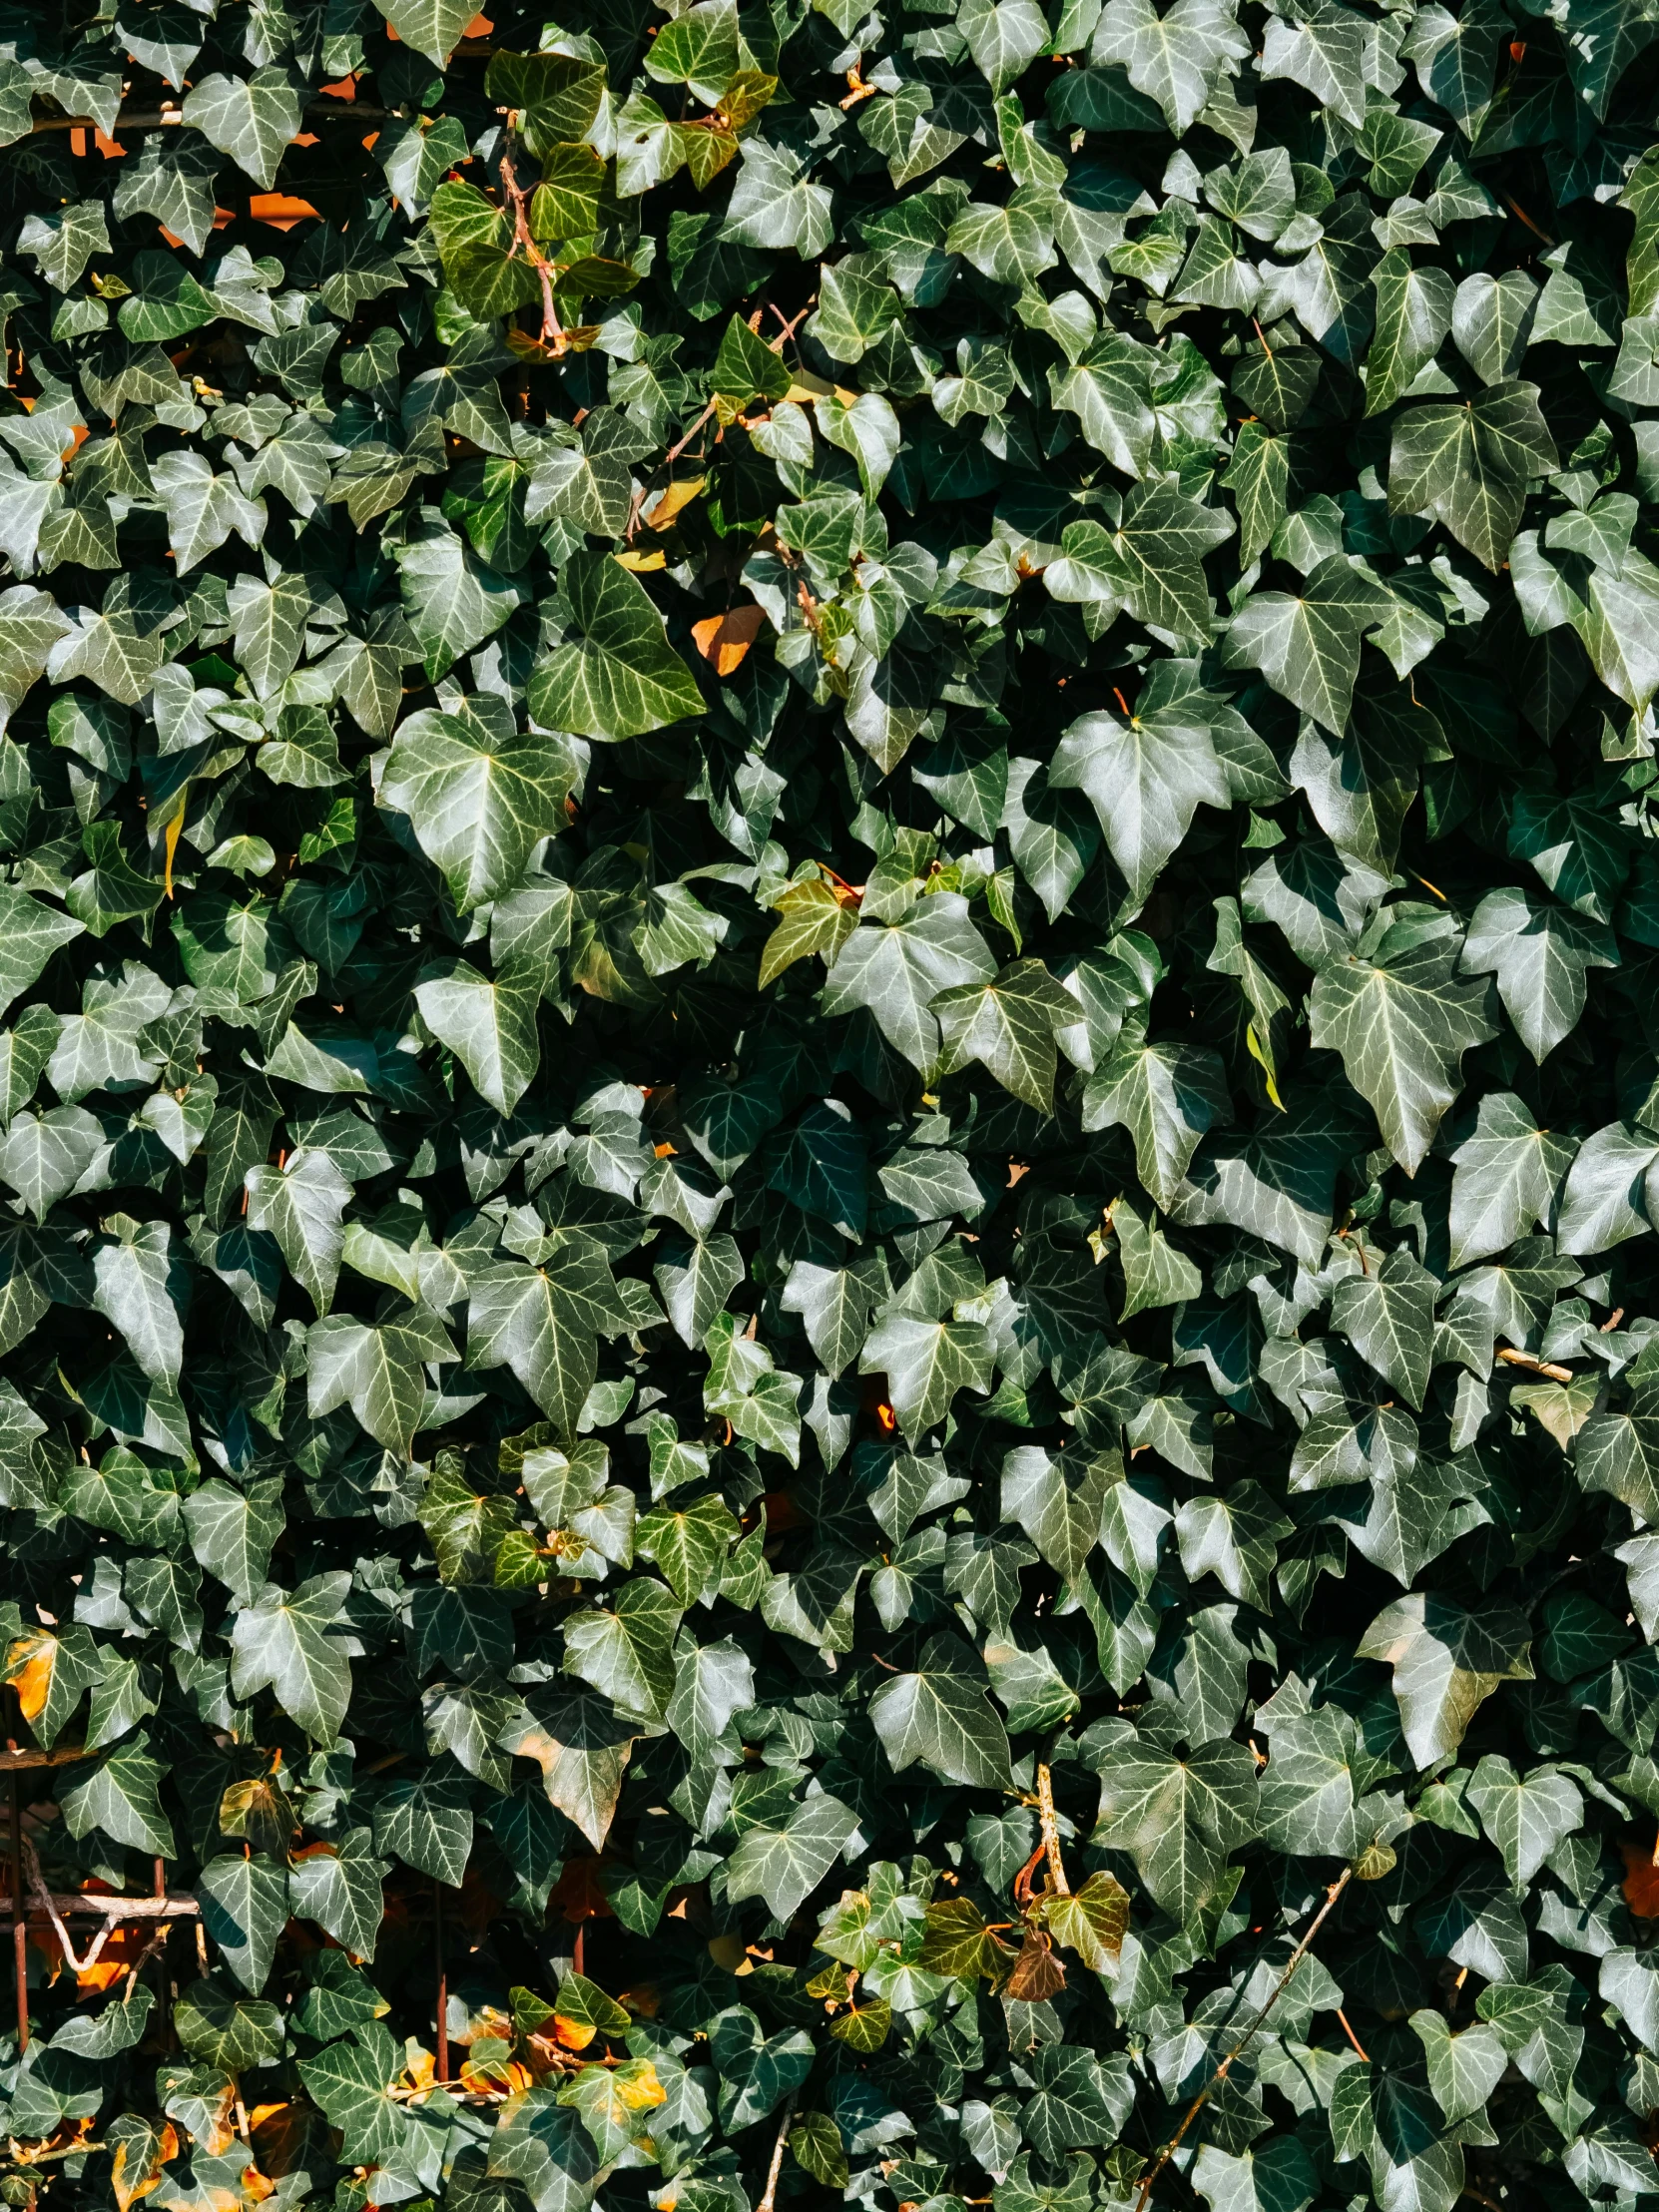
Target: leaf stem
{"points": [[776, 2168], [1243, 2044], [1051, 1833]]}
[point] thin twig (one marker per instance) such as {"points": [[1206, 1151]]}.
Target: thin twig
{"points": [[775, 345], [1243, 2044], [673, 452], [552, 330], [1352, 2039], [1519, 212], [1051, 1833], [777, 2166], [1536, 1367]]}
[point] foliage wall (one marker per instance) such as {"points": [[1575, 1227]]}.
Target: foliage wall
{"points": [[829, 1114]]}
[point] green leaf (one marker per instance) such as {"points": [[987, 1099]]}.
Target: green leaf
{"points": [[1307, 644], [340, 1889], [283, 1642], [244, 1905], [224, 2030], [1469, 466], [452, 599], [1539, 953], [1401, 1028], [232, 1532], [1178, 1819], [1389, 1318], [1413, 314], [898, 969], [1506, 1176], [431, 27], [626, 1649], [480, 795], [379, 1370], [252, 118], [301, 1204], [542, 1322], [489, 1023], [1167, 1096], [620, 677], [121, 1795], [350, 2079], [1446, 1662], [786, 1863], [940, 1716], [1525, 1815], [1146, 779], [1171, 58]]}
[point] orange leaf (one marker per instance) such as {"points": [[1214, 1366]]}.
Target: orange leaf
{"points": [[281, 208], [29, 1665], [673, 499], [725, 639], [114, 1960], [579, 1893], [1641, 1882], [129, 2187]]}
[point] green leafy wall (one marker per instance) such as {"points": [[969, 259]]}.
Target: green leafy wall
{"points": [[828, 1118]]}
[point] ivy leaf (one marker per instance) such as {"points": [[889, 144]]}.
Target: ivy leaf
{"points": [[479, 796], [338, 1887], [941, 1717], [1413, 314], [1524, 1817], [121, 1795], [1446, 1662], [1167, 1096], [232, 1532], [1178, 1819], [1146, 779], [302, 1205], [1171, 58], [1539, 953], [1307, 644], [252, 118], [1469, 466], [1009, 1024], [1401, 1028], [541, 1322], [244, 1905], [349, 2079], [379, 1370], [621, 678], [1507, 1175], [282, 1641], [489, 1023], [626, 1649], [898, 969], [785, 1864]]}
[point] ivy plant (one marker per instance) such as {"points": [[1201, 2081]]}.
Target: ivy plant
{"points": [[830, 1103]]}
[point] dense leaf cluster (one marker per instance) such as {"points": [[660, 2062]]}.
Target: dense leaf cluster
{"points": [[829, 1114]]}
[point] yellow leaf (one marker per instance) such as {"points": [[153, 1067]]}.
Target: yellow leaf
{"points": [[725, 639], [29, 1665], [670, 501]]}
